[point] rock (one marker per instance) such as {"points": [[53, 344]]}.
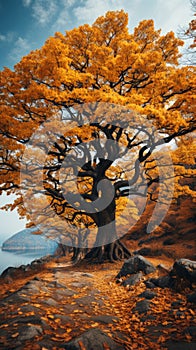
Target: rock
{"points": [[94, 339], [131, 281], [163, 281], [50, 302], [147, 294], [136, 264], [86, 274], [29, 332], [142, 306], [192, 298], [149, 284], [104, 318], [162, 268], [80, 284], [192, 331], [177, 303], [185, 269], [169, 241], [143, 251], [171, 345], [65, 319], [9, 272]]}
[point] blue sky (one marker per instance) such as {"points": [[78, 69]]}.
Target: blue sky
{"points": [[26, 24]]}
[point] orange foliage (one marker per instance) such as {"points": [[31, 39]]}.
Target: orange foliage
{"points": [[102, 62]]}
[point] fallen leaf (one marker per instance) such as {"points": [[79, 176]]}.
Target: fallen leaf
{"points": [[15, 335]]}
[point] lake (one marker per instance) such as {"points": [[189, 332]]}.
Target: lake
{"points": [[15, 259]]}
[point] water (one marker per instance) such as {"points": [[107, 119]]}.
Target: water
{"points": [[13, 259]]}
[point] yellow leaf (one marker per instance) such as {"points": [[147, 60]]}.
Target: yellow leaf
{"points": [[51, 316], [15, 335], [95, 324]]}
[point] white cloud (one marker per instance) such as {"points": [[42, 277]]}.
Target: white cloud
{"points": [[2, 37], [89, 12], [44, 10], [170, 15], [26, 3], [8, 37], [21, 48]]}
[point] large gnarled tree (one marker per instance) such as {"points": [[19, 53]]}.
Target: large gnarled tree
{"points": [[88, 110]]}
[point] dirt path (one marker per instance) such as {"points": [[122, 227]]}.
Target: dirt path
{"points": [[58, 304]]}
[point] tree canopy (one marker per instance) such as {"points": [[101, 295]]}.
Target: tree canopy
{"points": [[85, 121]]}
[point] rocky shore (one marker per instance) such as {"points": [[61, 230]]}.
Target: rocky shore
{"points": [[51, 304]]}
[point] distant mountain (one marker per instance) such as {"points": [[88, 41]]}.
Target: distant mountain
{"points": [[26, 240]]}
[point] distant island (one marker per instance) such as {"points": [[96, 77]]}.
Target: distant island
{"points": [[28, 240]]}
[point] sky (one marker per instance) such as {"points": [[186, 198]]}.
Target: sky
{"points": [[26, 24]]}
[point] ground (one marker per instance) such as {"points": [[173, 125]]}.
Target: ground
{"points": [[46, 309]]}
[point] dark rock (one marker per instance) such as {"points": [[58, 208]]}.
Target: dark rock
{"points": [[143, 251], [185, 269], [9, 272], [192, 298], [94, 339], [169, 241], [142, 306], [192, 331], [149, 284], [29, 332], [104, 318], [135, 264], [148, 294], [171, 345], [176, 303], [131, 281], [163, 281], [146, 240]]}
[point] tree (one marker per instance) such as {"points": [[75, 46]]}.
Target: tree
{"points": [[82, 121]]}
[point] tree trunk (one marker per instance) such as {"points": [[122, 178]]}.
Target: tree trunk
{"points": [[107, 246], [111, 252]]}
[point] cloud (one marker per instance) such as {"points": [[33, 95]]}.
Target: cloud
{"points": [[93, 9], [8, 37], [2, 37], [44, 10], [26, 3], [170, 15], [21, 48]]}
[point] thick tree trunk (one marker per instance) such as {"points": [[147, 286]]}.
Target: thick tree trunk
{"points": [[111, 252], [107, 246]]}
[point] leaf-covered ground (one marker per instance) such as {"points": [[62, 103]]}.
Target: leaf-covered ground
{"points": [[46, 309]]}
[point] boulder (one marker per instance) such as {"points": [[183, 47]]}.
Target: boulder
{"points": [[94, 339], [192, 298], [142, 306], [131, 281], [136, 264], [185, 269], [147, 294], [163, 281]]}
